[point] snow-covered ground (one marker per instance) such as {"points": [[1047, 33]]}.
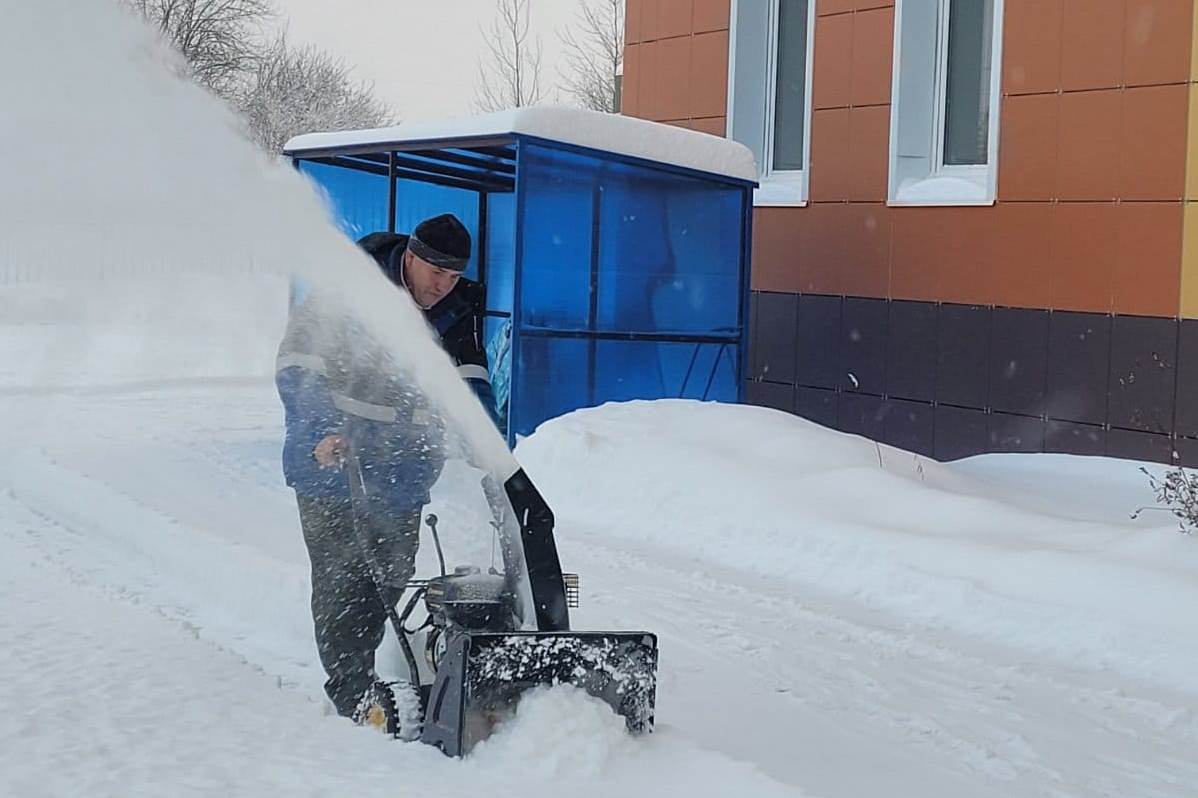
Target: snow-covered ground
{"points": [[828, 625]]}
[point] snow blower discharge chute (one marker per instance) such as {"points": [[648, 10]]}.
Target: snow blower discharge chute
{"points": [[490, 635]]}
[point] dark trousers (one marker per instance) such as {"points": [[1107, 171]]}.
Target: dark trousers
{"points": [[348, 612]]}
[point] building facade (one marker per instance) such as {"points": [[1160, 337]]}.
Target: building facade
{"points": [[977, 227]]}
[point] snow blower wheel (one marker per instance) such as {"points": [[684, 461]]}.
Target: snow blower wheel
{"points": [[392, 708]]}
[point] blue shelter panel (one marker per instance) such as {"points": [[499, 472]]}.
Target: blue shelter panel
{"points": [[559, 206], [501, 252], [357, 200], [551, 379], [690, 370], [612, 248], [669, 253]]}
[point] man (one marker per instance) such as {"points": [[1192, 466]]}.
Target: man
{"points": [[364, 448]]}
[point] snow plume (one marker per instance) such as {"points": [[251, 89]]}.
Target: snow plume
{"points": [[558, 731], [142, 226]]}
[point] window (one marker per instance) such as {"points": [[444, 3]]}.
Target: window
{"points": [[944, 114], [769, 108]]}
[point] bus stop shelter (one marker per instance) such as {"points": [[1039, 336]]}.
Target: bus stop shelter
{"points": [[615, 251]]}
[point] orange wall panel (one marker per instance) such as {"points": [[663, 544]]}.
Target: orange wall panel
{"points": [[915, 256], [867, 256], [872, 56], [966, 254], [632, 23], [673, 78], [832, 68], [711, 15], [1023, 252], [830, 155], [1029, 137], [709, 74], [776, 250], [1092, 44], [823, 7], [649, 20], [633, 74], [1153, 146], [715, 126], [823, 239], [1148, 268], [869, 137], [648, 81], [1089, 144], [1032, 46], [673, 18], [1085, 246], [1156, 41]]}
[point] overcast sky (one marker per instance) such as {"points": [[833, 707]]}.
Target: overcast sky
{"points": [[422, 55]]}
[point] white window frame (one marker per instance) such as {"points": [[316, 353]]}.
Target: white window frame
{"points": [[777, 187], [936, 183]]}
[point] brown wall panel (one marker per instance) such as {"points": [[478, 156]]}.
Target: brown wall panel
{"points": [[633, 74], [867, 259], [1092, 44], [830, 155], [776, 253], [1156, 41], [869, 137], [1030, 135], [823, 7], [1024, 255], [1089, 144], [832, 68], [649, 20], [709, 75], [1148, 268], [673, 78], [632, 24], [872, 56], [1153, 147], [715, 126], [915, 259], [966, 253], [1032, 46], [673, 18], [711, 15], [1085, 246], [823, 239], [865, 5], [648, 81]]}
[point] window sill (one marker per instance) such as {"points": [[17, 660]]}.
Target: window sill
{"points": [[778, 192], [942, 190]]}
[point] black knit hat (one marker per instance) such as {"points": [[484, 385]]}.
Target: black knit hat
{"points": [[443, 241]]}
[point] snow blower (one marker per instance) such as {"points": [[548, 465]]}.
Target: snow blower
{"points": [[490, 635]]}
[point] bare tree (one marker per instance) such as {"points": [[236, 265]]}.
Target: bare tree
{"points": [[301, 89], [594, 54], [219, 39], [512, 76]]}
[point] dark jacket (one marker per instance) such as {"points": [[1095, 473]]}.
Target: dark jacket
{"points": [[333, 382]]}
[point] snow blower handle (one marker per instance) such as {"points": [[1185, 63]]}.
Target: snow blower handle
{"points": [[431, 520]]}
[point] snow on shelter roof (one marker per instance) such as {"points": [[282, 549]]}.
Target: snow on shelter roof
{"points": [[613, 133]]}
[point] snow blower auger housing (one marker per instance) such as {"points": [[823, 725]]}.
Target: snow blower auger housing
{"points": [[490, 636]]}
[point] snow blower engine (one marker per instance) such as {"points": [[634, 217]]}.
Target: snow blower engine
{"points": [[490, 635]]}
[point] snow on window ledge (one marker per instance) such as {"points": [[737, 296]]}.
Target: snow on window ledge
{"points": [[781, 190], [944, 190]]}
